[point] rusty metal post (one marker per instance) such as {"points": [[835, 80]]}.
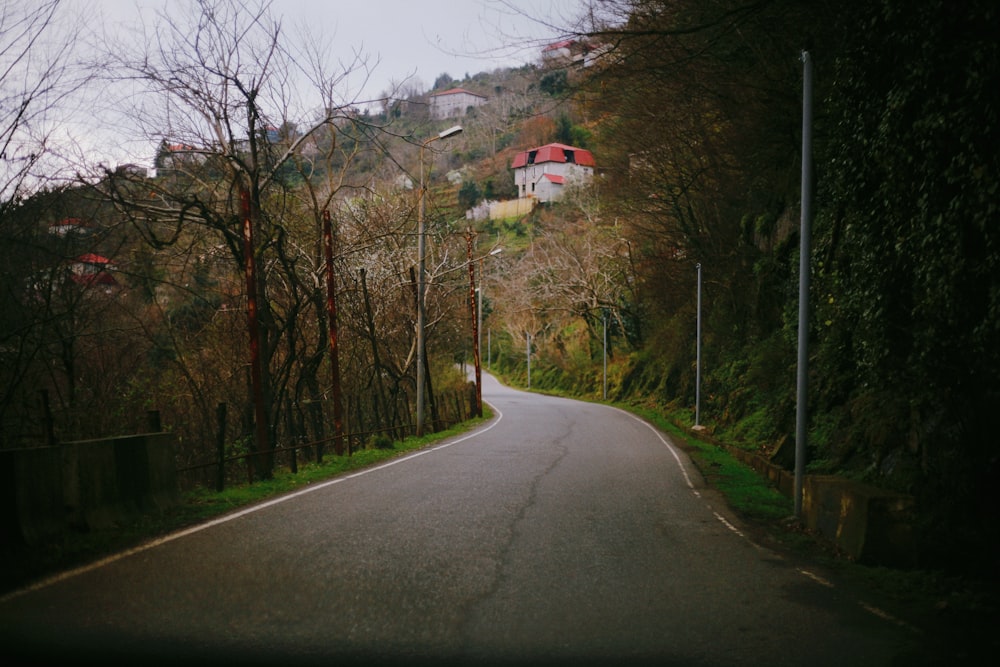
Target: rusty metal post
{"points": [[256, 374], [331, 313]]}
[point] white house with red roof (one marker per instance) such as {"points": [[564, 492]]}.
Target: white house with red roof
{"points": [[454, 102], [561, 51], [70, 227], [543, 172], [91, 270]]}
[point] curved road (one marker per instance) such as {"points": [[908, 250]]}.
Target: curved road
{"points": [[561, 531]]}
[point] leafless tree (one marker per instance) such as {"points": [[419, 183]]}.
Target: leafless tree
{"points": [[40, 72], [39, 76], [577, 270], [240, 112]]}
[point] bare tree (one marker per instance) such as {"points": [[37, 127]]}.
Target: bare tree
{"points": [[38, 78], [239, 114], [37, 74], [574, 271]]}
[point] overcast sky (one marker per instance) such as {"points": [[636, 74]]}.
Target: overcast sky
{"points": [[420, 38], [412, 40]]}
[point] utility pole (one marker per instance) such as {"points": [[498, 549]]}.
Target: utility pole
{"points": [[421, 254], [604, 375], [697, 362], [331, 314], [475, 327], [527, 354], [802, 373], [261, 440]]}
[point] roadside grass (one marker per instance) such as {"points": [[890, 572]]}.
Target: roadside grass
{"points": [[955, 615], [748, 494], [21, 566], [953, 612]]}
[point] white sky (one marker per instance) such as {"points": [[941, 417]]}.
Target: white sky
{"points": [[422, 38], [414, 40]]}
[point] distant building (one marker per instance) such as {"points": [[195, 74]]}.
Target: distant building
{"points": [[177, 156], [570, 53], [132, 170], [91, 270], [454, 102], [542, 173], [559, 53], [70, 227]]}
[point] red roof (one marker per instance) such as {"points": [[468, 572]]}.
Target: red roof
{"points": [[91, 258], [564, 44], [558, 180], [70, 222], [457, 91], [554, 153]]}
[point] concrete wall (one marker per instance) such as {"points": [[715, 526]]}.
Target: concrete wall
{"points": [[84, 485], [868, 524], [871, 525], [513, 208]]}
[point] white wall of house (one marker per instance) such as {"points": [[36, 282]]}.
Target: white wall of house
{"points": [[546, 190], [449, 105], [531, 182]]}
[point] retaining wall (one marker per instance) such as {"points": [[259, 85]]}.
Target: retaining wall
{"points": [[868, 524], [84, 485]]}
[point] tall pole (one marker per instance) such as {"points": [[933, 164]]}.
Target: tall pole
{"points": [[527, 355], [802, 374], [604, 392], [256, 371], [479, 307], [475, 329], [331, 314], [421, 246], [697, 361], [420, 296]]}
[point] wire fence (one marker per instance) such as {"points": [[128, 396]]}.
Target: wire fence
{"points": [[358, 432]]}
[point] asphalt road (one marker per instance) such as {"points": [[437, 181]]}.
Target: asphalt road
{"points": [[560, 532]]}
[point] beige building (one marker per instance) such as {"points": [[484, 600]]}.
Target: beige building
{"points": [[454, 102]]}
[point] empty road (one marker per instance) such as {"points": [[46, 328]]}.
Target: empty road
{"points": [[560, 532]]}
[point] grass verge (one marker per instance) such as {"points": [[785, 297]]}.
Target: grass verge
{"points": [[950, 616]]}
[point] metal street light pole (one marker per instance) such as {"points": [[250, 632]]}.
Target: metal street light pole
{"points": [[697, 364], [802, 371], [604, 381], [475, 320], [527, 356], [421, 245], [476, 311]]}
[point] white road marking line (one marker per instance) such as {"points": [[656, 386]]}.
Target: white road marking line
{"points": [[83, 569], [815, 577], [666, 443]]}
